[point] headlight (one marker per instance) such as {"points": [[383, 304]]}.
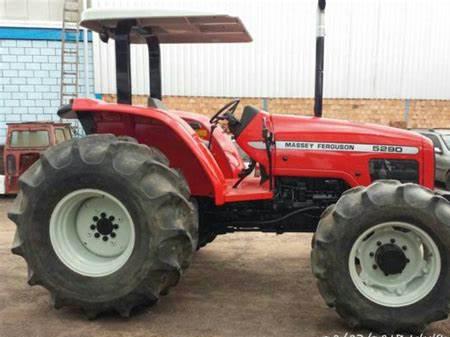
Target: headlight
{"points": [[406, 171]]}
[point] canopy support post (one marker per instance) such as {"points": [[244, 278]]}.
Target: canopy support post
{"points": [[123, 64], [154, 58]]}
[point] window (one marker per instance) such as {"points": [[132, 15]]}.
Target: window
{"points": [[59, 135], [446, 139], [34, 138], [434, 139]]}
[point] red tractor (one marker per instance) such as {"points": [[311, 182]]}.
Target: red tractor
{"points": [[110, 221]]}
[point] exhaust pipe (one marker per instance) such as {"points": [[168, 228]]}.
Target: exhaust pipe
{"points": [[320, 43]]}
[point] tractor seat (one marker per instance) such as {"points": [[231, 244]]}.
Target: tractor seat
{"points": [[248, 114], [155, 103]]}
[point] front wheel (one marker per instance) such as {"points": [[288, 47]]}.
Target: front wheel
{"points": [[381, 257], [104, 224]]}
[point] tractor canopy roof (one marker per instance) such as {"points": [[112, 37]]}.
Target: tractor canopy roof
{"points": [[166, 25], [153, 27]]}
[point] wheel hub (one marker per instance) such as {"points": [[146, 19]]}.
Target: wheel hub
{"points": [[394, 264], [391, 259], [92, 232], [104, 226]]}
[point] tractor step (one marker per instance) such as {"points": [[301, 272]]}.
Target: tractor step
{"points": [[249, 189]]}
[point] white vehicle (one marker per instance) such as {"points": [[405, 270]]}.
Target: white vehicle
{"points": [[441, 142]]}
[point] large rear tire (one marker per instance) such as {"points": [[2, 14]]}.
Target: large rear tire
{"points": [[381, 255], [104, 224]]}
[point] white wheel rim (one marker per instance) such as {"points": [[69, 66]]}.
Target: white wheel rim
{"points": [[92, 232], [417, 278]]}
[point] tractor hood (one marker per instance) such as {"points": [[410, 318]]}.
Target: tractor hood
{"points": [[312, 129], [321, 147]]}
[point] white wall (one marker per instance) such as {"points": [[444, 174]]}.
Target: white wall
{"points": [[30, 11], [374, 49]]}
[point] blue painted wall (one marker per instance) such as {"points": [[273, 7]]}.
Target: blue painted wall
{"points": [[30, 74]]}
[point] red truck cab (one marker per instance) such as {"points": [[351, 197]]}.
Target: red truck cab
{"points": [[23, 146]]}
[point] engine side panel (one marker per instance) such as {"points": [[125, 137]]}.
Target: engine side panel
{"points": [[320, 147], [330, 148]]}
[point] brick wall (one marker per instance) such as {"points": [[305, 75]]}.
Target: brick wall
{"points": [[30, 80], [398, 113]]}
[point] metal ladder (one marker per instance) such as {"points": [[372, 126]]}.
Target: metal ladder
{"points": [[70, 51]]}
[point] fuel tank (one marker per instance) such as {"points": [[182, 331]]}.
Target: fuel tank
{"points": [[321, 147]]}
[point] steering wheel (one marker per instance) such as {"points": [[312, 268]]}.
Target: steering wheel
{"points": [[228, 108]]}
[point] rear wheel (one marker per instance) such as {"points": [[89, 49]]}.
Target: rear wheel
{"points": [[92, 232], [104, 224], [381, 257]]}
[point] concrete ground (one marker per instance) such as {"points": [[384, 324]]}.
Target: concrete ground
{"points": [[242, 284]]}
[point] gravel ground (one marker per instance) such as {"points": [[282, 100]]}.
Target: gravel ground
{"points": [[246, 284]]}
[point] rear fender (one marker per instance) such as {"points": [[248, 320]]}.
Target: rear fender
{"points": [[160, 129]]}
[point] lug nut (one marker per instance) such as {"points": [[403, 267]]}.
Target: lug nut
{"points": [[93, 227], [105, 238], [97, 235], [407, 260], [103, 215], [95, 218], [404, 248], [374, 266], [116, 226], [392, 240], [113, 235], [372, 254], [378, 243], [111, 218]]}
